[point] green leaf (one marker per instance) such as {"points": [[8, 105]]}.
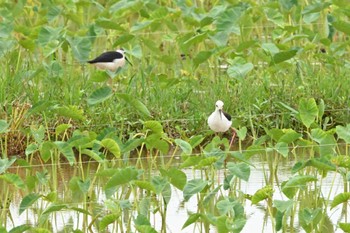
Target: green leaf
{"points": [[176, 177], [155, 127], [66, 150], [141, 25], [27, 201], [239, 71], [20, 228], [194, 40], [341, 198], [109, 24], [308, 111], [100, 95], [121, 176], [201, 57], [344, 132], [289, 136], [191, 161], [283, 56], [81, 47], [108, 219], [290, 187], [135, 104], [3, 126], [6, 163], [191, 219], [192, 187], [71, 111], [282, 148], [185, 146], [262, 194], [241, 170], [13, 179], [345, 227], [284, 206], [48, 34], [146, 185], [112, 146]]}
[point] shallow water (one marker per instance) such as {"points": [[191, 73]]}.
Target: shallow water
{"points": [[177, 212]]}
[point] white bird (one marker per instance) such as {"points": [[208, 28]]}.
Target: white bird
{"points": [[110, 60], [220, 121]]}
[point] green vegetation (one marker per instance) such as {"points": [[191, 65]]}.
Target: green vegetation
{"points": [[279, 66]]}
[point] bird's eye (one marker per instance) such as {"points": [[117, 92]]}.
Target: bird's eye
{"points": [[216, 105]]}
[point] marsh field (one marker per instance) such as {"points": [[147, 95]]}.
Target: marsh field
{"points": [[85, 150]]}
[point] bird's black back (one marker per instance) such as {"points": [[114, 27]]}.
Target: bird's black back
{"points": [[107, 57], [228, 116]]}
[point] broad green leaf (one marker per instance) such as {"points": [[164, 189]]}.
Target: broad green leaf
{"points": [[342, 26], [53, 208], [141, 25], [62, 128], [121, 176], [310, 218], [191, 219], [65, 149], [191, 161], [155, 126], [284, 206], [100, 95], [194, 40], [239, 71], [308, 111], [109, 24], [344, 132], [192, 187], [345, 227], [201, 57], [283, 56], [340, 199], [135, 104], [282, 148], [326, 140], [122, 39], [13, 179], [92, 154], [206, 162], [3, 126], [112, 146], [6, 163], [289, 136], [48, 34], [159, 183], [185, 146], [81, 47], [262, 194], [146, 185], [196, 140], [145, 229], [225, 206], [242, 133], [290, 187], [27, 201], [176, 177], [241, 170], [108, 219], [71, 111], [20, 229]]}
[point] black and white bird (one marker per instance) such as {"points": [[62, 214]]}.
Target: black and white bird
{"points": [[110, 60], [220, 121]]}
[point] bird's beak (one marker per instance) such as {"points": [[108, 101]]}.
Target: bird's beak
{"points": [[220, 111], [128, 60]]}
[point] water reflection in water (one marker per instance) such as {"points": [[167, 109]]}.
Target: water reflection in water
{"points": [[177, 212]]}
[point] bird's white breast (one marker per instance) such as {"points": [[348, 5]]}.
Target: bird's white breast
{"points": [[217, 123], [112, 66]]}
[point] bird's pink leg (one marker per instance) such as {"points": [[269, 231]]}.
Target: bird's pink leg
{"points": [[233, 136]]}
